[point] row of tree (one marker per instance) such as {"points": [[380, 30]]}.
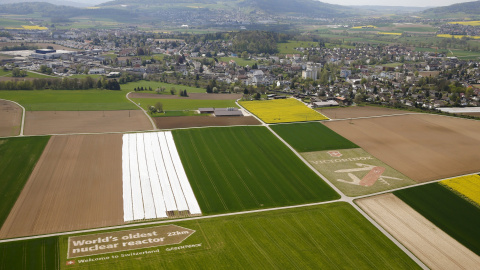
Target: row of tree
{"points": [[60, 84]]}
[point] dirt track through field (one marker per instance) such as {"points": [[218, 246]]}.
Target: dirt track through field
{"points": [[423, 147], [430, 244], [68, 122], [203, 121], [354, 112], [76, 184], [204, 96], [10, 118]]}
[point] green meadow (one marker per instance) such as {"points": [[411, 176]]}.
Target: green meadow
{"points": [[70, 100], [184, 103], [243, 168], [17, 160], [448, 211], [308, 137]]}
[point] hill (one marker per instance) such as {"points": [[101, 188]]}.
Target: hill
{"points": [[257, 14], [307, 8], [469, 8]]}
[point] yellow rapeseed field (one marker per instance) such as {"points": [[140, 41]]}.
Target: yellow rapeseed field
{"points": [[472, 23], [34, 27], [389, 33], [457, 36], [469, 186], [282, 111]]}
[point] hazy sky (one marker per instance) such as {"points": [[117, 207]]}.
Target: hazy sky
{"points": [[411, 3]]}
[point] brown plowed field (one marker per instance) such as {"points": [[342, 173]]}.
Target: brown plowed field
{"points": [[204, 121], [422, 146], [430, 244], [354, 112], [67, 122], [76, 184], [190, 96], [10, 118]]}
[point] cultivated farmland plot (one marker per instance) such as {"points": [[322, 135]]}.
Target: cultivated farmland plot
{"points": [[309, 137], [66, 122], [282, 111], [320, 237], [240, 168], [448, 211], [11, 118], [355, 172], [434, 247], [76, 184], [422, 146], [466, 186]]}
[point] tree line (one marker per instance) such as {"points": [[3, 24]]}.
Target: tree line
{"points": [[60, 84]]}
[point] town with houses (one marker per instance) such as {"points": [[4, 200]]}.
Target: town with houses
{"points": [[392, 75]]}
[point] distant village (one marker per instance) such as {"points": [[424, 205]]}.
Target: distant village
{"points": [[322, 76]]}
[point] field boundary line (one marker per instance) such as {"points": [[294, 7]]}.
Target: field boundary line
{"points": [[375, 116], [261, 121], [145, 112], [23, 115]]}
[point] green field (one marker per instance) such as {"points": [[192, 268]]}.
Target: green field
{"points": [[154, 85], [347, 170], [39, 75], [448, 211], [5, 73], [465, 55], [30, 254], [240, 61], [70, 100], [242, 168], [29, 75], [184, 103], [4, 22], [417, 29], [311, 137], [17, 160], [289, 47], [332, 236]]}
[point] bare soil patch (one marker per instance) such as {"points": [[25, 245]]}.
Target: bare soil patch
{"points": [[424, 147], [354, 112], [10, 118], [475, 114], [203, 121], [430, 244], [76, 184], [205, 96], [67, 122]]}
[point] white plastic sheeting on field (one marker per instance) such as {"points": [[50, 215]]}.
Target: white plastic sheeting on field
{"points": [[154, 180]]}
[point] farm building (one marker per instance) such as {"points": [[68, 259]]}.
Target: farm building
{"points": [[227, 112], [328, 103]]}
